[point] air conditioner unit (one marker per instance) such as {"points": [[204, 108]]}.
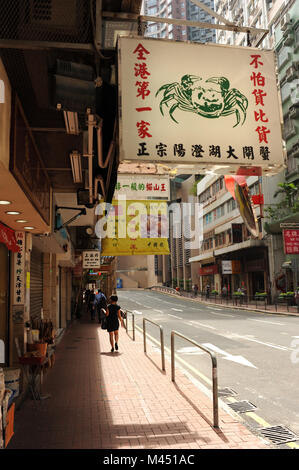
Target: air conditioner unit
{"points": [[285, 22], [291, 73], [289, 39], [294, 111]]}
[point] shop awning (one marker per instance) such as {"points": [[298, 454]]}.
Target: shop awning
{"points": [[7, 236]]}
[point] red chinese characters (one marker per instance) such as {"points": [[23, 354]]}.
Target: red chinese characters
{"points": [[259, 83], [142, 84], [291, 241]]}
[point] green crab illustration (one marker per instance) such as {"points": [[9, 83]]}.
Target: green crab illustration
{"points": [[211, 98]]}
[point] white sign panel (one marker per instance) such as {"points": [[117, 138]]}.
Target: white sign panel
{"points": [[198, 103], [19, 270], [142, 187], [226, 267], [91, 259]]}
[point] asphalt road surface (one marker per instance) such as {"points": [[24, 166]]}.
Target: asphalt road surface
{"points": [[257, 354]]}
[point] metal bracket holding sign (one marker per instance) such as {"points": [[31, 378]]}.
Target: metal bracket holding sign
{"points": [[81, 212]]}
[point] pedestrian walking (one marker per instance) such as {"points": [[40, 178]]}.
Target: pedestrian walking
{"points": [[100, 305], [91, 305], [113, 314], [224, 291], [208, 288], [195, 290]]}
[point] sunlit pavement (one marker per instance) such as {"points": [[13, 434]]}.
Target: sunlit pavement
{"points": [[121, 400]]}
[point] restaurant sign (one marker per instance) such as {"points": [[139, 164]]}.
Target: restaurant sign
{"points": [[142, 187], [291, 242], [207, 270], [198, 103]]}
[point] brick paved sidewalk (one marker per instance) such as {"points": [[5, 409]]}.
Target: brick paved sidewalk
{"points": [[121, 400]]}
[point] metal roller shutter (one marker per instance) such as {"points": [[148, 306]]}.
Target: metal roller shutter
{"points": [[36, 284]]}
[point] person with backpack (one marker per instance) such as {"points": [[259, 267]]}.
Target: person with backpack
{"points": [[100, 305]]}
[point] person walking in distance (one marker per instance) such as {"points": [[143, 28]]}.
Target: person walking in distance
{"points": [[91, 305], [100, 304], [113, 318]]}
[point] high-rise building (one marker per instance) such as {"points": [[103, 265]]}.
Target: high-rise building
{"points": [[179, 9], [195, 13]]}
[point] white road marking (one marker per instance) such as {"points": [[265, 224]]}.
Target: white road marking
{"points": [[223, 314], [228, 356], [169, 314], [270, 345], [192, 350], [196, 323], [266, 321]]}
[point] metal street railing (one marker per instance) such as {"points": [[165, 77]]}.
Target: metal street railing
{"points": [[161, 339], [214, 372], [126, 312]]}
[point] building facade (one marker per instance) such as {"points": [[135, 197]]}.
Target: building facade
{"points": [[229, 257]]}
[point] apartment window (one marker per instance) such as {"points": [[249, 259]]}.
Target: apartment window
{"points": [[152, 11], [231, 205]]}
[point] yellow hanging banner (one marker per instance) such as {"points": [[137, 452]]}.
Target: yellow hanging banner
{"points": [[134, 228]]}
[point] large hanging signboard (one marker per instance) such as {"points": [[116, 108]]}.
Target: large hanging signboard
{"points": [[135, 228], [142, 187], [198, 103]]}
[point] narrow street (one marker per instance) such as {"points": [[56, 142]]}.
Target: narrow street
{"points": [[256, 352]]}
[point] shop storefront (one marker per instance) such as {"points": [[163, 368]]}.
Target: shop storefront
{"points": [[208, 275], [36, 284], [8, 244], [257, 276], [231, 276]]}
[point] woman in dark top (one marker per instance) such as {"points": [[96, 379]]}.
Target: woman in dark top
{"points": [[113, 318]]}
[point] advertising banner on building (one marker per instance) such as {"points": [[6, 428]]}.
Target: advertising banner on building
{"points": [[142, 187], [291, 241], [198, 103], [135, 228]]}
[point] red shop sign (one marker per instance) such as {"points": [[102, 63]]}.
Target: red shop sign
{"points": [[206, 270], [291, 241], [7, 236]]}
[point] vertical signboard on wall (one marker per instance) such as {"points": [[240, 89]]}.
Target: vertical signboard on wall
{"points": [[19, 271]]}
